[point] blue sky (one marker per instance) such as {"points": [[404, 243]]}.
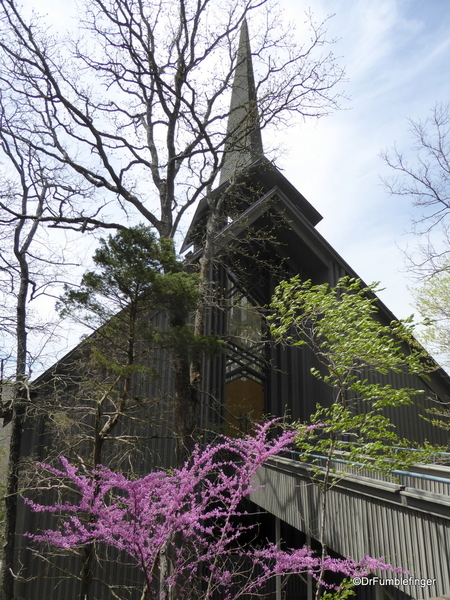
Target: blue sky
{"points": [[397, 58]]}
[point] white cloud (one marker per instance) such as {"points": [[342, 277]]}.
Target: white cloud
{"points": [[397, 54], [398, 63]]}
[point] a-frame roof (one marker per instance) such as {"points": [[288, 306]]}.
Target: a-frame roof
{"points": [[244, 142], [244, 160]]}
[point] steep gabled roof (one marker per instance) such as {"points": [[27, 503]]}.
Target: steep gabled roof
{"points": [[244, 160], [244, 142]]}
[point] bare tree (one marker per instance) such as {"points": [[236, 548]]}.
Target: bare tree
{"points": [[27, 271], [423, 175], [146, 120], [425, 179], [137, 106]]}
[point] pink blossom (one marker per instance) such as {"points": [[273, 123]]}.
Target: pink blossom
{"points": [[195, 505]]}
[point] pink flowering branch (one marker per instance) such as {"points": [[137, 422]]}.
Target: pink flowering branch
{"points": [[197, 506]]}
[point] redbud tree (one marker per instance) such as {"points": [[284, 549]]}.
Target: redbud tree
{"points": [[195, 510]]}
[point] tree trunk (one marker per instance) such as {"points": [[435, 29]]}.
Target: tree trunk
{"points": [[188, 370], [20, 396], [101, 433], [12, 485], [186, 405]]}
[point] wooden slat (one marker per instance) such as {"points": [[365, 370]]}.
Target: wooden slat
{"points": [[367, 516]]}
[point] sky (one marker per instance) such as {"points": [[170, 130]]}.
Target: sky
{"points": [[397, 59]]}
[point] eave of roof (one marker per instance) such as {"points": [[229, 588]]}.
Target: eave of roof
{"points": [[264, 173]]}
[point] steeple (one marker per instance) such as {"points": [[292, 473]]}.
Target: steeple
{"points": [[244, 144]]}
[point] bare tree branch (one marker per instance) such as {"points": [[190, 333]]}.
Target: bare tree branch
{"points": [[425, 179], [145, 124]]}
